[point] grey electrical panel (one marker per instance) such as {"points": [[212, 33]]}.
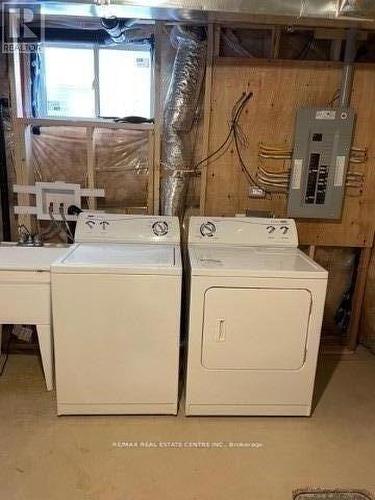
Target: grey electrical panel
{"points": [[322, 144]]}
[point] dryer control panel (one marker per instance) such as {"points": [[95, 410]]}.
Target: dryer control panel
{"points": [[243, 231], [120, 228]]}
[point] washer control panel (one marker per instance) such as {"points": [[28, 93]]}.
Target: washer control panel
{"points": [[120, 228], [243, 231]]}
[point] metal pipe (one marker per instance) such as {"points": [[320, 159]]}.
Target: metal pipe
{"points": [[348, 70]]}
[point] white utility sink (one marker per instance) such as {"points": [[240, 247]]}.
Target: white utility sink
{"points": [[19, 258], [25, 293]]}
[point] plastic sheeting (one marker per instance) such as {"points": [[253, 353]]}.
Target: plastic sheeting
{"points": [[121, 167], [179, 113]]}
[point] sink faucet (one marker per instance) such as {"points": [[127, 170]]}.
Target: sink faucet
{"points": [[27, 239]]}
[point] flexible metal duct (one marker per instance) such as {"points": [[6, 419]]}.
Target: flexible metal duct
{"points": [[179, 112], [360, 8], [123, 31]]}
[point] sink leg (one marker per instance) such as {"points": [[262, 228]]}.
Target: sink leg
{"points": [[45, 345]]}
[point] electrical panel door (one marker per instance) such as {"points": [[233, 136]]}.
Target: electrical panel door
{"points": [[322, 145]]}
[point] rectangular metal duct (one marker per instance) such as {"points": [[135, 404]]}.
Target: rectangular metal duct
{"points": [[201, 11]]}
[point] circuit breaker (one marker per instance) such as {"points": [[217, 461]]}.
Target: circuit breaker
{"points": [[322, 144]]}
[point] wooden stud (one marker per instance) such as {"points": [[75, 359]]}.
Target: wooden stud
{"points": [[357, 300], [275, 43], [151, 160], [21, 132], [84, 123], [336, 34], [312, 249], [26, 84], [158, 115], [90, 144], [15, 73], [216, 40], [207, 114], [335, 49]]}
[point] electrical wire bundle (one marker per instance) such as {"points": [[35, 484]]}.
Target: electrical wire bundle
{"points": [[357, 154], [275, 182], [236, 135], [354, 180], [61, 226], [274, 152], [279, 181]]}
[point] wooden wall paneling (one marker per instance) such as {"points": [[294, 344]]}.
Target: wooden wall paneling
{"points": [[280, 88], [158, 114], [356, 227], [211, 31]]}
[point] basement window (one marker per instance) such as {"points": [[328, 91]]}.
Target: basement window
{"points": [[91, 81]]}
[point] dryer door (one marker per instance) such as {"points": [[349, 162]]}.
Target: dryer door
{"points": [[255, 328]]}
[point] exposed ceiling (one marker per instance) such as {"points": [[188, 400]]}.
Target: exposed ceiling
{"points": [[201, 11]]}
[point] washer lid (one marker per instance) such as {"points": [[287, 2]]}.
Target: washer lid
{"points": [[253, 262], [17, 258], [121, 259]]}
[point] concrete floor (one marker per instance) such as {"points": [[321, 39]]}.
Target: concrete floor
{"points": [[43, 457]]}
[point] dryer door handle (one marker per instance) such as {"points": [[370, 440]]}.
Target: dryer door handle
{"points": [[220, 330]]}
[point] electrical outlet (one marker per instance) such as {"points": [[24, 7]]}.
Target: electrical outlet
{"points": [[256, 192]]}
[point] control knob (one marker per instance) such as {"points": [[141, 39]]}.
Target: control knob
{"points": [[208, 229], [160, 228]]}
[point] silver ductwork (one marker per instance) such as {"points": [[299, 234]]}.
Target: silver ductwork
{"points": [[179, 113], [123, 31], [220, 11], [356, 8]]}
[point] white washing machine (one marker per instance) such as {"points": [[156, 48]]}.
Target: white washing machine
{"points": [[116, 312], [256, 309]]}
